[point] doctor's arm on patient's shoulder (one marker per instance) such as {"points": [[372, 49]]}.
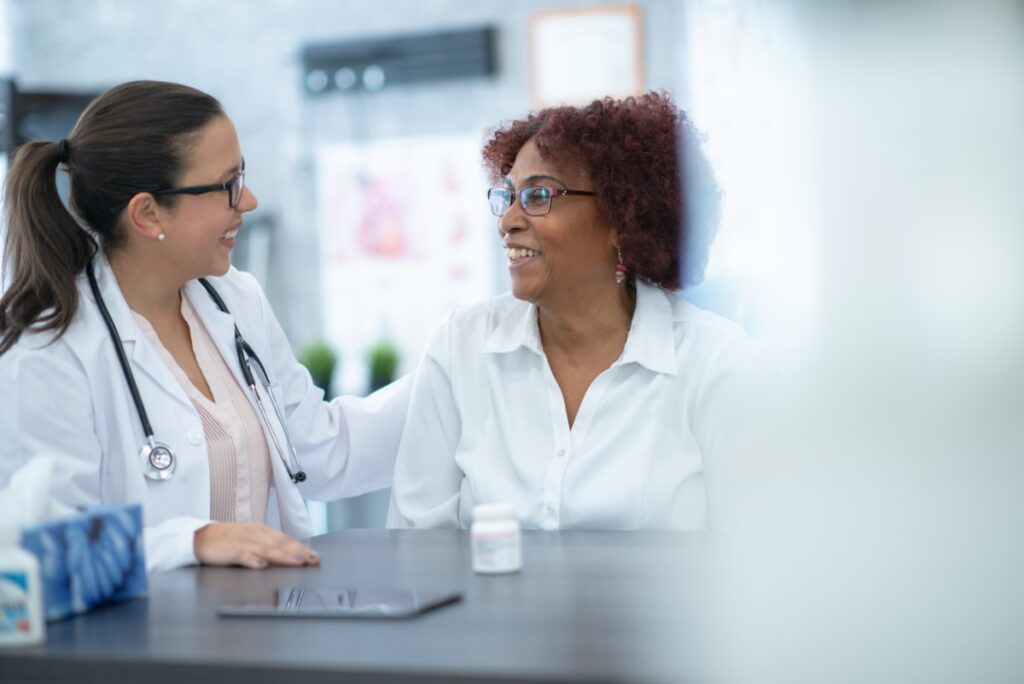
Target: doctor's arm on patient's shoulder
{"points": [[47, 410], [428, 482], [348, 445]]}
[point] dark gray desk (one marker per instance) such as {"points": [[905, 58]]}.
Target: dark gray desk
{"points": [[586, 607]]}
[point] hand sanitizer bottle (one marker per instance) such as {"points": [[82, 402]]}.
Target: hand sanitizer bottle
{"points": [[22, 621]]}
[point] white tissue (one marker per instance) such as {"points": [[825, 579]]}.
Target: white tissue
{"points": [[27, 500]]}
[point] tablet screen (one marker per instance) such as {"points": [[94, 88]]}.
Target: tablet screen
{"points": [[298, 601]]}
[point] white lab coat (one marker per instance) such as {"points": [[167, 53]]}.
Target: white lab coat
{"points": [[69, 399]]}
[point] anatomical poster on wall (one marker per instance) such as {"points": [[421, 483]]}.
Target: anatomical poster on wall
{"points": [[406, 236]]}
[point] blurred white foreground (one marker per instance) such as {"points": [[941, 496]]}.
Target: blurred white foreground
{"points": [[870, 525]]}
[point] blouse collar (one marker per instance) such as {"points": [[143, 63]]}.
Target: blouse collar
{"points": [[650, 342]]}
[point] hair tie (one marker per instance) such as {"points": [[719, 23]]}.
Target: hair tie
{"points": [[63, 151]]}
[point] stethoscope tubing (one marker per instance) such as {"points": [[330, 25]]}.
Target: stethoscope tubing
{"points": [[122, 358], [243, 349], [246, 356]]}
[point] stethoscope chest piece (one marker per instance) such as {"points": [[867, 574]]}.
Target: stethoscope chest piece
{"points": [[157, 459]]}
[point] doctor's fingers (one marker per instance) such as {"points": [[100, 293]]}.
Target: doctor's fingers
{"points": [[261, 555], [261, 533], [250, 544], [278, 548]]}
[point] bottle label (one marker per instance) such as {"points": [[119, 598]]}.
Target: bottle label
{"points": [[14, 617], [499, 552]]}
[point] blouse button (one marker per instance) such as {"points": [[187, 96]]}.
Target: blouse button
{"points": [[560, 453], [195, 438]]}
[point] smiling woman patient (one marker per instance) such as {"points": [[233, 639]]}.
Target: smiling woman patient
{"points": [[150, 369], [592, 395]]}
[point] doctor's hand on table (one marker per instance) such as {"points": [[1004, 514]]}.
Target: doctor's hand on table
{"points": [[252, 545]]}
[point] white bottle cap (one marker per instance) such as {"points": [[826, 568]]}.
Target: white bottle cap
{"points": [[494, 511]]}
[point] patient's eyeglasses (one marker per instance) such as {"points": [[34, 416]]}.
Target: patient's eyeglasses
{"points": [[535, 199]]}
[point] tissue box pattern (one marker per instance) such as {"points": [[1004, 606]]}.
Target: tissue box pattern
{"points": [[90, 559]]}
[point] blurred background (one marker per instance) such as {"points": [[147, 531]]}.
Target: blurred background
{"points": [[871, 157]]}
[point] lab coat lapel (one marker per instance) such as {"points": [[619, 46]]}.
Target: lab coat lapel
{"points": [[289, 504], [220, 325]]}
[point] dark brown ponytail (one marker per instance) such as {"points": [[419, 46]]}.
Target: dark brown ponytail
{"points": [[45, 246], [133, 138]]}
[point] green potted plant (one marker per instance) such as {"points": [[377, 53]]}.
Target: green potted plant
{"points": [[320, 360], [383, 361]]}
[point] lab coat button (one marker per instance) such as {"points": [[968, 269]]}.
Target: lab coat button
{"points": [[560, 453], [195, 437]]}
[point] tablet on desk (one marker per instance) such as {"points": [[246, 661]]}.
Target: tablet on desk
{"points": [[295, 601]]}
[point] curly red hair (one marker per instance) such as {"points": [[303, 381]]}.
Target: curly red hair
{"points": [[631, 149]]}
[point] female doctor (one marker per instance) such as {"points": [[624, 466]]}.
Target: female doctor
{"points": [[134, 354]]}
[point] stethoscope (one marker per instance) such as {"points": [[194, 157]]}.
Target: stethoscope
{"points": [[158, 459]]}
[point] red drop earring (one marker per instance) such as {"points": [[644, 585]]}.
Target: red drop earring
{"points": [[620, 270]]}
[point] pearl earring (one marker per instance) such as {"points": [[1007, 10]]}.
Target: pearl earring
{"points": [[620, 270], [161, 237]]}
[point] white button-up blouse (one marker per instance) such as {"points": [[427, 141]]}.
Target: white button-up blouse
{"points": [[487, 422]]}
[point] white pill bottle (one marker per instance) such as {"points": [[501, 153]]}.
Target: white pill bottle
{"points": [[496, 539], [22, 621]]}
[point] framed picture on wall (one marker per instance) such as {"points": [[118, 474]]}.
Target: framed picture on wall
{"points": [[577, 55]]}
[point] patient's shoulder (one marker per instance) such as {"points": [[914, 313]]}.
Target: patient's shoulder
{"points": [[687, 314], [487, 315]]}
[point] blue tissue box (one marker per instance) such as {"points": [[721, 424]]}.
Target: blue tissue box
{"points": [[90, 559]]}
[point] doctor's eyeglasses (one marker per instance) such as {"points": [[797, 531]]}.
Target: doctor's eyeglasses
{"points": [[234, 186], [535, 199]]}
